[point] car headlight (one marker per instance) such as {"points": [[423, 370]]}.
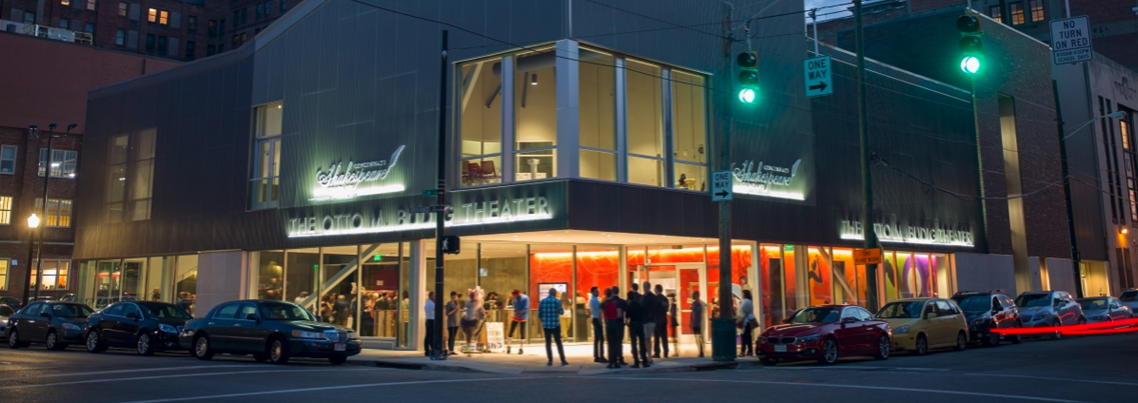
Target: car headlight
{"points": [[70, 326], [1039, 316], [353, 336], [901, 330], [301, 334], [762, 339], [810, 338], [167, 328]]}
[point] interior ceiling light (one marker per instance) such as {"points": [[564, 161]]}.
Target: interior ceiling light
{"points": [[533, 79]]}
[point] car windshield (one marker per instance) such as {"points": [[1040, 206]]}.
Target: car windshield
{"points": [[1094, 303], [164, 311], [1129, 296], [974, 303], [284, 311], [1030, 300], [70, 311], [901, 310], [817, 315]]}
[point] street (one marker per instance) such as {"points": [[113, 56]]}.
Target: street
{"points": [[1088, 369]]}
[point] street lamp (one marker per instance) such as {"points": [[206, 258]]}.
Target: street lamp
{"points": [[46, 176], [33, 223]]}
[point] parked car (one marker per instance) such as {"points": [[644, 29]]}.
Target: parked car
{"points": [[1049, 309], [1104, 309], [825, 333], [1129, 299], [272, 331], [144, 326], [986, 311], [5, 312], [53, 323], [12, 302], [920, 324]]}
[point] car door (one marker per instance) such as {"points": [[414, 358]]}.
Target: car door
{"points": [[1068, 310], [868, 330], [946, 320], [108, 319], [128, 325], [249, 336], [32, 326], [848, 332], [1116, 311], [221, 329]]}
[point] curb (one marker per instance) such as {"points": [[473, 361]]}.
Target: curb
{"points": [[713, 366]]}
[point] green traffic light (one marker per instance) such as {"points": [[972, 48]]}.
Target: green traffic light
{"points": [[970, 64], [747, 95]]}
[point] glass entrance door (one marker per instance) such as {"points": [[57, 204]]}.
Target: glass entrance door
{"points": [[680, 281]]}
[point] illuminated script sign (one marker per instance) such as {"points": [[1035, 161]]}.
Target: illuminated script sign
{"points": [[349, 180]]}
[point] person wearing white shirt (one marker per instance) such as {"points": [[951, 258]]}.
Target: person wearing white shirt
{"points": [[429, 340]]}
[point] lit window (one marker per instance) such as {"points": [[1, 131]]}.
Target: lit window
{"points": [[123, 8], [63, 163], [58, 212], [163, 17], [152, 15], [54, 274], [5, 210], [995, 13], [65, 2], [8, 160], [1036, 10], [4, 274], [264, 189], [90, 4], [1017, 13]]}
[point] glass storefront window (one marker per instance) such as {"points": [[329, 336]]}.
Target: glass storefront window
{"points": [[186, 283], [300, 277], [158, 279], [107, 283], [849, 282], [502, 268], [132, 272], [270, 275], [820, 275], [403, 302], [597, 266], [535, 114], [379, 289], [338, 285], [551, 266]]}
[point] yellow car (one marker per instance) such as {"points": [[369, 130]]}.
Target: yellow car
{"points": [[922, 323]]}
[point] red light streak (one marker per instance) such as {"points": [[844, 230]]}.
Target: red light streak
{"points": [[1121, 326]]}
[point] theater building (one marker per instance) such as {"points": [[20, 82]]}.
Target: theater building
{"points": [[578, 154]]}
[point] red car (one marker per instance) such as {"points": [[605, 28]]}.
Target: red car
{"points": [[825, 333]]}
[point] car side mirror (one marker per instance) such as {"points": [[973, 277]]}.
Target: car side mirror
{"points": [[45, 314], [132, 315], [786, 321], [848, 319], [253, 317]]}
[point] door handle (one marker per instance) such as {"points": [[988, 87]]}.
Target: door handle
{"points": [[210, 323], [236, 325]]}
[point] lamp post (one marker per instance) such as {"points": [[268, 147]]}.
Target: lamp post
{"points": [[46, 176], [33, 223]]}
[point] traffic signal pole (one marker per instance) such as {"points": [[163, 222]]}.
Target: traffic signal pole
{"points": [[440, 211], [868, 232], [723, 327]]}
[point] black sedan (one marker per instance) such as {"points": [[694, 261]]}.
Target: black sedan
{"points": [[143, 326], [269, 330], [55, 324]]}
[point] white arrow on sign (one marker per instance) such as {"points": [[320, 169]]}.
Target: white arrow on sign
{"points": [[721, 186]]}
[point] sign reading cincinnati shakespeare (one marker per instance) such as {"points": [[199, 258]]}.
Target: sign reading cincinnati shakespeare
{"points": [[402, 219], [910, 234], [346, 181], [759, 179]]}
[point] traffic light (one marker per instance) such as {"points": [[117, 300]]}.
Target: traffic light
{"points": [[748, 76], [971, 44]]}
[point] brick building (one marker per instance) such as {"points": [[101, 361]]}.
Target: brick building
{"points": [[1114, 22], [173, 29], [53, 90]]}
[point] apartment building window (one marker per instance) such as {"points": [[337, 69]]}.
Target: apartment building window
{"points": [[91, 5], [244, 37], [8, 160], [192, 24], [120, 37], [236, 40], [29, 18], [244, 15], [4, 264], [236, 17], [64, 23], [58, 212], [63, 163], [162, 48], [268, 8], [123, 7], [221, 29], [54, 274], [1017, 12], [211, 27], [65, 3], [1036, 7], [996, 13], [265, 181], [190, 48], [89, 28], [260, 11], [152, 15], [5, 210], [284, 6], [164, 17], [210, 50], [150, 42]]}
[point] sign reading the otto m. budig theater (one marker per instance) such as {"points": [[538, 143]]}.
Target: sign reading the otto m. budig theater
{"points": [[911, 234], [347, 180]]}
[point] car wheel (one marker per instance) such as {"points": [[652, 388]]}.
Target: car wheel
{"points": [[992, 339], [768, 361], [278, 351], [829, 352], [52, 341], [94, 341], [961, 341], [202, 351], [922, 345], [883, 346], [1056, 335], [144, 345], [13, 339], [338, 360]]}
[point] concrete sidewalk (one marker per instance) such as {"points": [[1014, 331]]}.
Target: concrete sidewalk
{"points": [[580, 358]]}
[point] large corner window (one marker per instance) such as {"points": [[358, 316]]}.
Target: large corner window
{"points": [[63, 163], [129, 178], [597, 115], [480, 145], [689, 131], [535, 115], [115, 178], [142, 175], [265, 181], [645, 123]]}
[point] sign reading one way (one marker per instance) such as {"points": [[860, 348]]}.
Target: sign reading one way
{"points": [[1071, 40], [818, 80], [721, 189]]}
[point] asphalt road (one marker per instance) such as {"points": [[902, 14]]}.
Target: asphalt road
{"points": [[1090, 369]]}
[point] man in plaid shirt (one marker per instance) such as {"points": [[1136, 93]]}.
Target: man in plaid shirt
{"points": [[550, 311]]}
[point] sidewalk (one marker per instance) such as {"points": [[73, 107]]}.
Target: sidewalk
{"points": [[580, 359]]}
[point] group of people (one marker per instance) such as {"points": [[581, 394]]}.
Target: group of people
{"points": [[470, 315], [643, 316]]}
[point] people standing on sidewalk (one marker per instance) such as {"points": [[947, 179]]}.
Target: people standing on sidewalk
{"points": [[749, 323], [660, 338], [635, 315], [648, 308], [429, 341], [452, 312], [549, 311], [520, 319], [598, 325], [473, 318], [696, 320], [613, 312]]}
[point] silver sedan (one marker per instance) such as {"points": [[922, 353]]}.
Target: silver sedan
{"points": [[1104, 309]]}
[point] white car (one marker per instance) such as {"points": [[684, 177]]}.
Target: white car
{"points": [[5, 312]]}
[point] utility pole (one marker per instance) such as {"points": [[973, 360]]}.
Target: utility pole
{"points": [[723, 327], [440, 212], [867, 228], [1077, 271]]}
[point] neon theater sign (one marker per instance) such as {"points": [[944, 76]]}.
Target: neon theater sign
{"points": [[350, 180], [910, 234], [759, 179], [498, 211]]}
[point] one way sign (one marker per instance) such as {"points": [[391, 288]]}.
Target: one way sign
{"points": [[818, 80], [721, 186]]}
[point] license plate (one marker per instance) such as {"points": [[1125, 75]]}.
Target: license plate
{"points": [[780, 348], [341, 346]]}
